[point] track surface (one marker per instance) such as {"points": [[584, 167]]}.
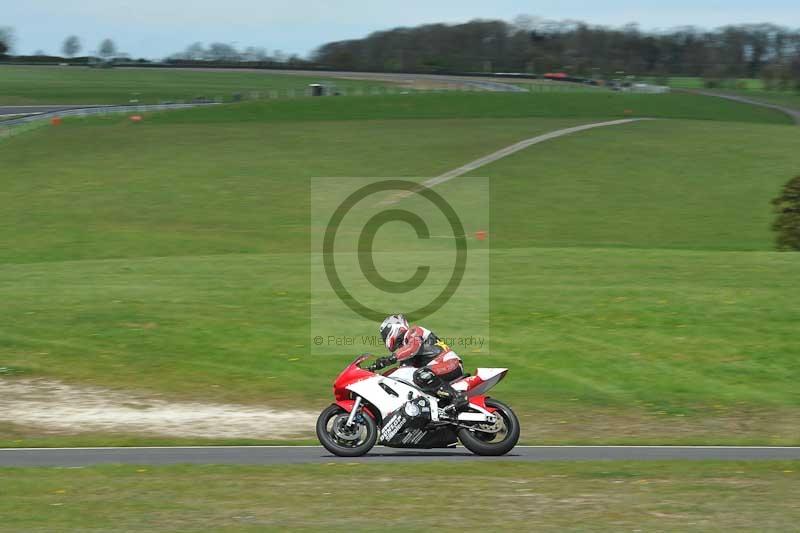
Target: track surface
{"points": [[45, 112], [264, 455]]}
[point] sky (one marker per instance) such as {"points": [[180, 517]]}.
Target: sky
{"points": [[157, 28]]}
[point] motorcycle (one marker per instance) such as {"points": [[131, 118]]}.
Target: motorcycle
{"points": [[389, 408]]}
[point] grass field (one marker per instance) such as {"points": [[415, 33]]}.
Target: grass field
{"points": [[633, 293], [23, 85], [613, 496]]}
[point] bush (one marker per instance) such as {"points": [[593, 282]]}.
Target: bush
{"points": [[787, 225]]}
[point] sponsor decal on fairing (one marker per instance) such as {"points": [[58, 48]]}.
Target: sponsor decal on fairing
{"points": [[392, 427]]}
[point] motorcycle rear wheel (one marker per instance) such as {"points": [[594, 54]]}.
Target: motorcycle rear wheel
{"points": [[482, 443], [343, 441]]}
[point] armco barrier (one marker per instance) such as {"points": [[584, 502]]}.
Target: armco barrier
{"points": [[96, 110]]}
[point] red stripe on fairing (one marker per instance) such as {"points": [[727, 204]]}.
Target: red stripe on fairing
{"points": [[472, 382], [480, 401]]}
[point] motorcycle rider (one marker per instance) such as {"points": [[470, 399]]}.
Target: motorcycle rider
{"points": [[437, 365]]}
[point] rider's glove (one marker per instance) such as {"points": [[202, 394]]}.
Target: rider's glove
{"points": [[383, 362]]}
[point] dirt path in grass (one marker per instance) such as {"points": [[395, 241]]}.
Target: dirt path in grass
{"points": [[58, 408]]}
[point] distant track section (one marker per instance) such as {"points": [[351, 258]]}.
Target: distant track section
{"points": [[263, 455], [34, 113], [514, 148], [15, 110], [794, 113], [475, 82], [509, 150]]}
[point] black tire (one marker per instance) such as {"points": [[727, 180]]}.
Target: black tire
{"points": [[327, 437], [479, 443]]}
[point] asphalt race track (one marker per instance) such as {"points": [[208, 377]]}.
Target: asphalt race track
{"points": [[794, 113], [265, 455], [32, 109]]}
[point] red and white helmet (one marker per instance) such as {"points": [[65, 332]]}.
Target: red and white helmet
{"points": [[393, 329]]}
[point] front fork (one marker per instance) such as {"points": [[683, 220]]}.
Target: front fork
{"points": [[354, 411]]}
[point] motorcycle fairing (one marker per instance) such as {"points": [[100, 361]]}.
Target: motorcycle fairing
{"points": [[387, 402], [388, 393], [483, 380]]}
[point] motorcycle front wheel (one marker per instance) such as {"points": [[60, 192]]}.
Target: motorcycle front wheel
{"points": [[339, 439], [498, 442]]}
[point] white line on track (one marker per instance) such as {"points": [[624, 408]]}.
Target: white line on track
{"points": [[508, 150], [570, 446]]}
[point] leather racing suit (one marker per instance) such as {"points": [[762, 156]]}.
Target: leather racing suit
{"points": [[437, 365]]}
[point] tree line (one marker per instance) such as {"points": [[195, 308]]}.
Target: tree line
{"points": [[70, 48], [215, 52], [526, 45], [536, 46]]}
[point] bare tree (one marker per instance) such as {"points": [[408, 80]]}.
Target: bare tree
{"points": [[255, 53], [222, 52], [107, 48], [195, 51], [71, 46], [6, 40]]}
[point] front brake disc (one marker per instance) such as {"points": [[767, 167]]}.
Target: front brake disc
{"points": [[343, 432]]}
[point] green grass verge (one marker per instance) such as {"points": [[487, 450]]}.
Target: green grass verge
{"points": [[693, 82], [605, 326], [613, 496], [22, 85]]}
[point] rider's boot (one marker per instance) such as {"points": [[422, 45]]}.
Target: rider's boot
{"points": [[458, 400], [430, 383]]}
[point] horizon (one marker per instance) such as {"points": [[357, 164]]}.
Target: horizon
{"points": [[147, 29]]}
